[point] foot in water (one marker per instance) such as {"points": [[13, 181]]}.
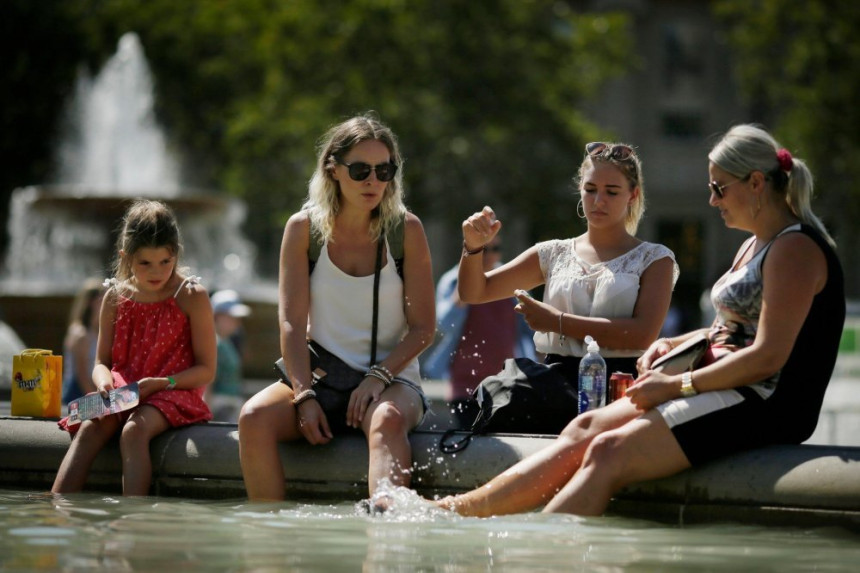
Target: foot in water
{"points": [[378, 504]]}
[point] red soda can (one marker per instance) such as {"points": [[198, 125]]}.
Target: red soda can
{"points": [[619, 382]]}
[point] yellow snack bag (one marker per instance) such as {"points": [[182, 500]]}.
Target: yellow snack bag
{"points": [[37, 381]]}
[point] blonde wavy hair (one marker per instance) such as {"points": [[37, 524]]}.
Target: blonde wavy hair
{"points": [[324, 202]]}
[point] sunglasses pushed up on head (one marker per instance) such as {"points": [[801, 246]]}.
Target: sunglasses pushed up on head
{"points": [[360, 171], [618, 152]]}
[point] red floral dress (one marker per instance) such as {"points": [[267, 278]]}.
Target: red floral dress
{"points": [[153, 339]]}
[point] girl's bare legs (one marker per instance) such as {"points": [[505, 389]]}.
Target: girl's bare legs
{"points": [[144, 424], [641, 450], [387, 424], [266, 419], [87, 443], [536, 479]]}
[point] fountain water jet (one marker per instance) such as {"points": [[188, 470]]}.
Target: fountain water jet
{"points": [[112, 152], [112, 140]]}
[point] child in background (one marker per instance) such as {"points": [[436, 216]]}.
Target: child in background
{"points": [[79, 345], [224, 395], [156, 329]]}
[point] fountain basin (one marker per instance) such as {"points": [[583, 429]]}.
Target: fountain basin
{"points": [[779, 485]]}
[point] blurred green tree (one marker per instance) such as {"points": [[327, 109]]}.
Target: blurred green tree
{"points": [[486, 97], [796, 62]]}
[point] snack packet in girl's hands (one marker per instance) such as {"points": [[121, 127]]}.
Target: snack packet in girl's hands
{"points": [[93, 405]]}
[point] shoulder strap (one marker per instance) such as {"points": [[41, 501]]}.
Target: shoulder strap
{"points": [[191, 281]]}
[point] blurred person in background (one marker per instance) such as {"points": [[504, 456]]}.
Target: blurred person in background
{"points": [[224, 395], [81, 340], [475, 339]]}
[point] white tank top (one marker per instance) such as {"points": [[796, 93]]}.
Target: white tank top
{"points": [[341, 313]]}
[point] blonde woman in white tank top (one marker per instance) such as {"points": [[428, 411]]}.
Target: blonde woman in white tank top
{"points": [[354, 197]]}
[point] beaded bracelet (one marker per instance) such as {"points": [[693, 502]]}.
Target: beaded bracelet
{"points": [[667, 341], [379, 376], [467, 252], [384, 369], [382, 373], [171, 383], [303, 396]]}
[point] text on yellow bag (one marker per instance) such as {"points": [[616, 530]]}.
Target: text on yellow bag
{"points": [[37, 381]]}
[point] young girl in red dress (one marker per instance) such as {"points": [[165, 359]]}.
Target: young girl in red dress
{"points": [[155, 328]]}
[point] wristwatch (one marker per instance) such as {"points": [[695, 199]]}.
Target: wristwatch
{"points": [[687, 388]]}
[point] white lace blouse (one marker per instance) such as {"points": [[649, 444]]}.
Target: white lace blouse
{"points": [[607, 289]]}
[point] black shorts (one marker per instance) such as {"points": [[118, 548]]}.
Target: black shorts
{"points": [[715, 424]]}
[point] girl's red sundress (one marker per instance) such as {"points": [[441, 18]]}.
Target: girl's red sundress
{"points": [[154, 340]]}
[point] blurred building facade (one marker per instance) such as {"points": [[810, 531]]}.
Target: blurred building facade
{"points": [[673, 106], [679, 98]]}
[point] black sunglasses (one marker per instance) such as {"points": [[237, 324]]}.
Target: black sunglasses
{"points": [[717, 189], [619, 152], [360, 171]]}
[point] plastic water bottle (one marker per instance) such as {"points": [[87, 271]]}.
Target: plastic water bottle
{"points": [[592, 378]]}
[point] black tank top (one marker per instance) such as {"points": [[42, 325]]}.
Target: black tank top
{"points": [[794, 406]]}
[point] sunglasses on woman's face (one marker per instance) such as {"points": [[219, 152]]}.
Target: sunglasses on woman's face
{"points": [[619, 152], [360, 171], [717, 189]]}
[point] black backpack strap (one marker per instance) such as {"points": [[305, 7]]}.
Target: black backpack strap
{"points": [[314, 246], [395, 238], [478, 427], [395, 243], [448, 447]]}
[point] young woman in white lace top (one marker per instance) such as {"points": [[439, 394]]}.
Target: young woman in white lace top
{"points": [[605, 283]]}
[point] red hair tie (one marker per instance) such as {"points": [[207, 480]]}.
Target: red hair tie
{"points": [[784, 158]]}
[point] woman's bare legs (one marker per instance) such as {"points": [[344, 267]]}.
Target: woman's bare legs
{"points": [[266, 419], [536, 479], [387, 424], [144, 424], [643, 449], [87, 443]]}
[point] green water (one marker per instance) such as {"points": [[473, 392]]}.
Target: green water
{"points": [[86, 532]]}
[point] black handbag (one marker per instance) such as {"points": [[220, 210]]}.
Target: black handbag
{"points": [[526, 397], [333, 379], [686, 356]]}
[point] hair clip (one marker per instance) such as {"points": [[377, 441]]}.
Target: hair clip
{"points": [[786, 162]]}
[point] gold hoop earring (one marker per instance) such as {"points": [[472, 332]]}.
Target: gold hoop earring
{"points": [[758, 208], [580, 209]]}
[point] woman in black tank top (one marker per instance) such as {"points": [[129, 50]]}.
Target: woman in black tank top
{"points": [[774, 345]]}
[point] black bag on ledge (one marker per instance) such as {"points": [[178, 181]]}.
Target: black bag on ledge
{"points": [[526, 397]]}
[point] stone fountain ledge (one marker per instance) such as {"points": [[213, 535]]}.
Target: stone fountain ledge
{"points": [[782, 485]]}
